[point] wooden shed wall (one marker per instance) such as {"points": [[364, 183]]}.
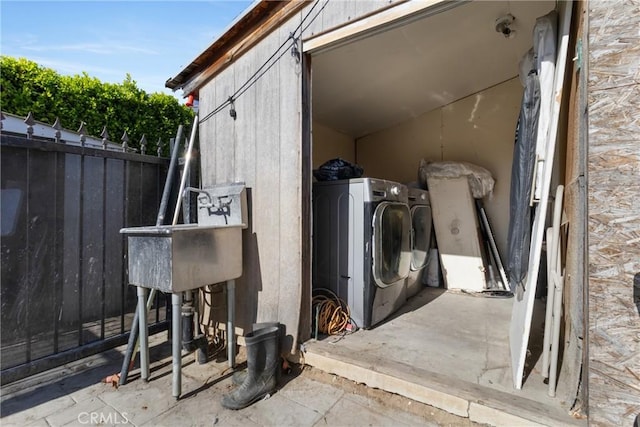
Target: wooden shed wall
{"points": [[571, 387], [614, 212], [263, 147]]}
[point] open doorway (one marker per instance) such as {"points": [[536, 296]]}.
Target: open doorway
{"points": [[439, 87]]}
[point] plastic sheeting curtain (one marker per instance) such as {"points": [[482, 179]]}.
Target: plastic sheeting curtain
{"points": [[536, 73], [524, 155]]}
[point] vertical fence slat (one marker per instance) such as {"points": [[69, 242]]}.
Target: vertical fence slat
{"points": [[81, 242], [14, 259], [71, 252], [27, 300], [125, 252], [103, 220], [93, 247], [113, 246], [134, 218], [41, 253], [58, 247]]}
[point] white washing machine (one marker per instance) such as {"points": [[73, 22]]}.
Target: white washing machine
{"points": [[361, 245], [421, 226]]}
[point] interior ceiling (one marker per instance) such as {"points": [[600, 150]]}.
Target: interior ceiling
{"points": [[376, 82]]}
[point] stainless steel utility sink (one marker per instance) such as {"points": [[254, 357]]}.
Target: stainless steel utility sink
{"points": [[176, 258]]}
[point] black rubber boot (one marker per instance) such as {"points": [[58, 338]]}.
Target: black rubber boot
{"points": [[239, 377], [262, 364]]}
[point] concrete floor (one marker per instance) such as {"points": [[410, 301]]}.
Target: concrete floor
{"points": [[449, 350]]}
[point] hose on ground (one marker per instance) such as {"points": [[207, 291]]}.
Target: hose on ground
{"points": [[333, 313]]}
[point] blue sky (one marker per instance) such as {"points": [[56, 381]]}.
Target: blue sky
{"points": [[151, 40]]}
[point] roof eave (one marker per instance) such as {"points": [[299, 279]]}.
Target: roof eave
{"points": [[250, 21]]}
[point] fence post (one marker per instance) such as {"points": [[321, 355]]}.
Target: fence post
{"points": [[125, 141], [105, 137], [143, 144], [159, 147], [29, 121], [58, 127], [82, 131]]}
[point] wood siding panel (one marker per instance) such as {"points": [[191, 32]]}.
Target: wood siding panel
{"points": [[332, 15], [312, 26], [338, 13], [207, 135], [225, 130], [335, 14], [289, 302], [266, 213], [249, 284], [245, 129], [367, 6], [613, 207], [572, 370]]}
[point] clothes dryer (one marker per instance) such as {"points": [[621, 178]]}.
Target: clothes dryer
{"points": [[361, 245], [421, 226]]}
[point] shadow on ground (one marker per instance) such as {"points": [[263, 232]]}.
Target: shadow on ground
{"points": [[72, 377]]}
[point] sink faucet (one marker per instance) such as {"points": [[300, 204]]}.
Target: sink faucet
{"points": [[221, 206], [204, 198]]}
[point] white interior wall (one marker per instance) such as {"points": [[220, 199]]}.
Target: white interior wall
{"points": [[479, 129], [328, 144]]}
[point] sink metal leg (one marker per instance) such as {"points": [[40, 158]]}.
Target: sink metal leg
{"points": [[144, 333], [176, 343], [231, 336]]}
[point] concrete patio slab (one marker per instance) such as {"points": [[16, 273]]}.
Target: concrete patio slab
{"points": [[74, 395]]}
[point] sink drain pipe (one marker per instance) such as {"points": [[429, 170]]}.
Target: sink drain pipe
{"points": [[191, 342]]}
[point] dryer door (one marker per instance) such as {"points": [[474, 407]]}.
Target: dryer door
{"points": [[420, 236], [391, 243]]}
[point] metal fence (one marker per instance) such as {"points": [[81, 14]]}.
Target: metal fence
{"points": [[63, 291]]}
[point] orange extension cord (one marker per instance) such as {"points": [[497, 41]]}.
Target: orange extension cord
{"points": [[333, 315]]}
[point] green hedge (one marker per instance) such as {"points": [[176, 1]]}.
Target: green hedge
{"points": [[27, 87]]}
